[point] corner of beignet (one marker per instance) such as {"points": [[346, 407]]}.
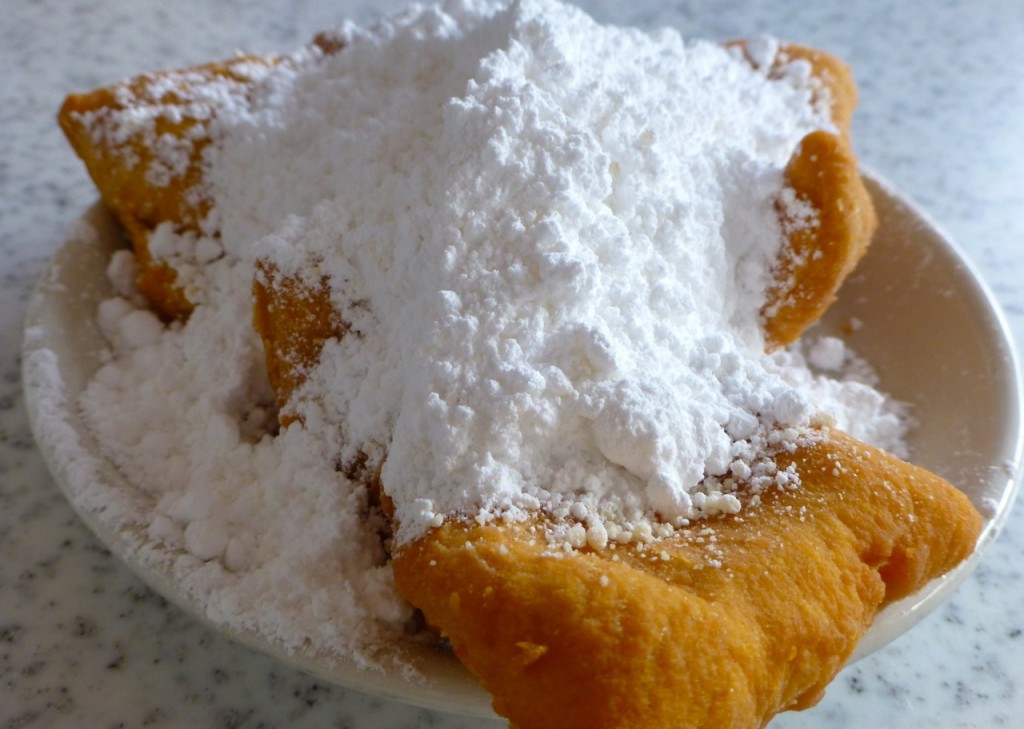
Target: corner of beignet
{"points": [[836, 86], [827, 220], [724, 624], [142, 141], [825, 211], [294, 320]]}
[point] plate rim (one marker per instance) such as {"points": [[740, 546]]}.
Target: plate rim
{"points": [[914, 608]]}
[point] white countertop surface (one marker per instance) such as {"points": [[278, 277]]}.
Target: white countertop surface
{"points": [[85, 644]]}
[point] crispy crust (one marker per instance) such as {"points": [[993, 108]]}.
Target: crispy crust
{"points": [[663, 638]]}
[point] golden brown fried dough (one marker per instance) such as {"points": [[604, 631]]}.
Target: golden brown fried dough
{"points": [[820, 252], [142, 142], [294, 321], [822, 178], [721, 626]]}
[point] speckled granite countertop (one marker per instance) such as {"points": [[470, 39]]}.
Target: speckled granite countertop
{"points": [[85, 644]]}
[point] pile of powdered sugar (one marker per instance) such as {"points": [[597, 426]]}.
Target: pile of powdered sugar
{"points": [[551, 241]]}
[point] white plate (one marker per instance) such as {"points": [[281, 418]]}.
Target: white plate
{"points": [[914, 308]]}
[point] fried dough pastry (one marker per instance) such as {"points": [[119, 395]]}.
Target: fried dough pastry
{"points": [[142, 142], [822, 177], [294, 321], [720, 626]]}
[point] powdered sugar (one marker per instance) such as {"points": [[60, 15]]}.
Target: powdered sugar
{"points": [[530, 309], [551, 243], [263, 530], [844, 386]]}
